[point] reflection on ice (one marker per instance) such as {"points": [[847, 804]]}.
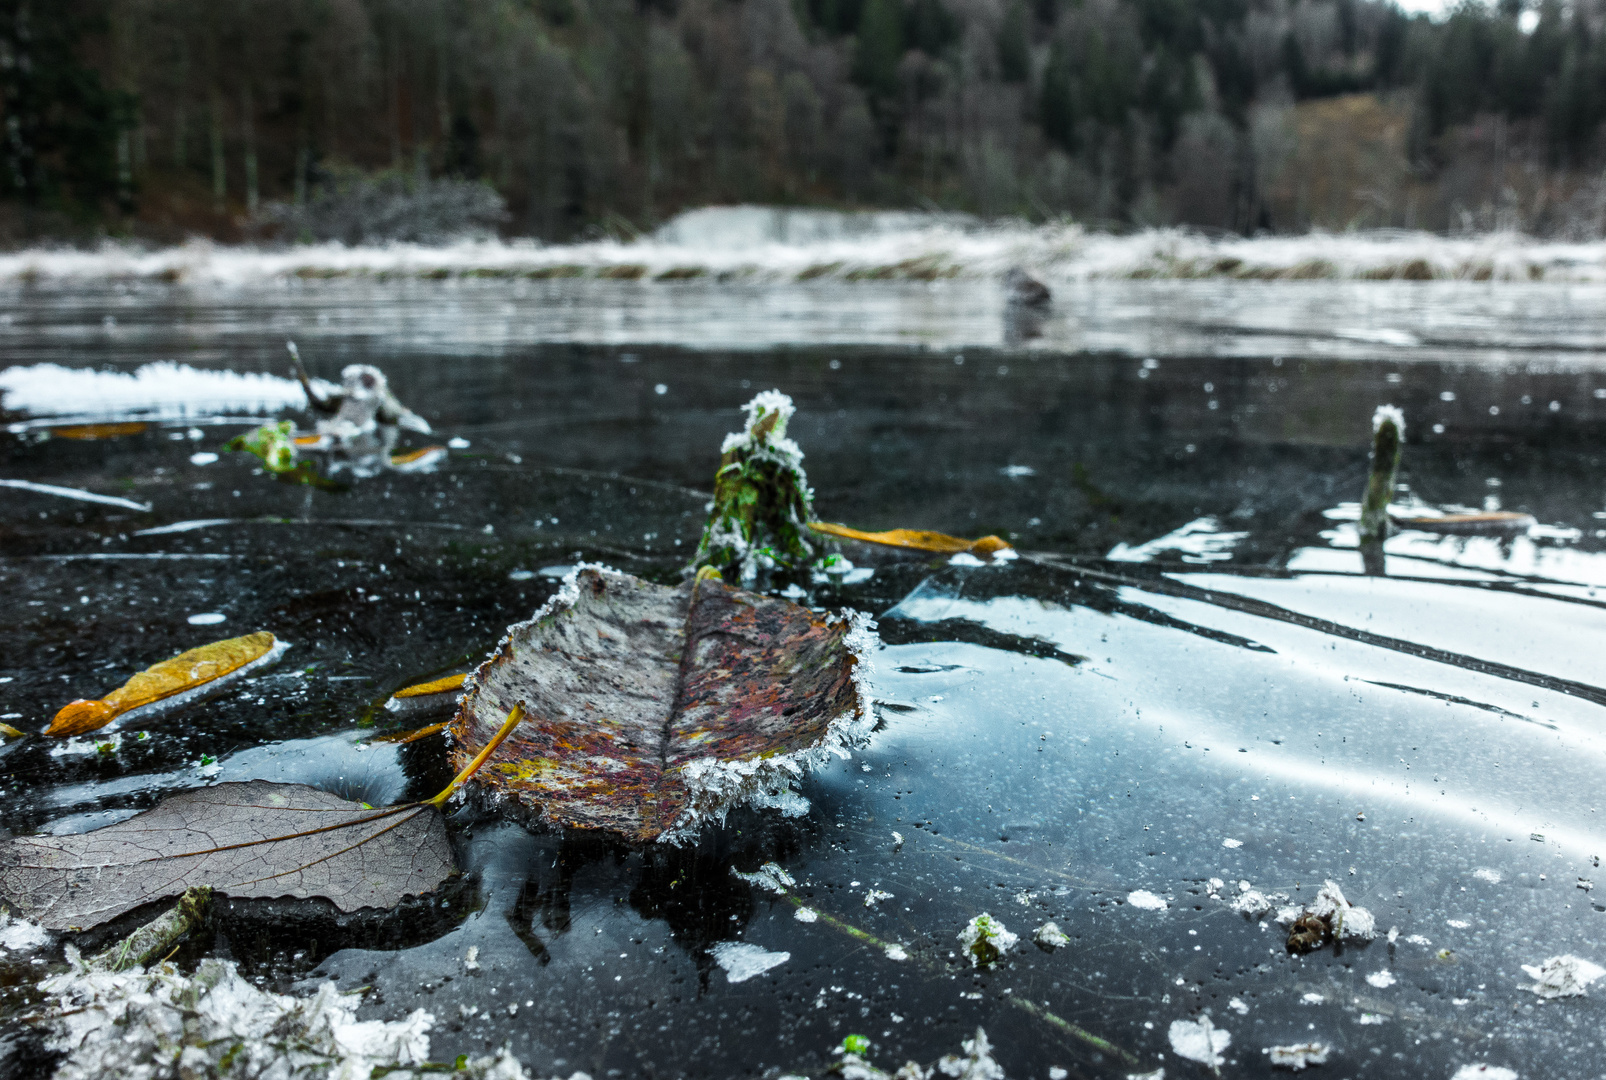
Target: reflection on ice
{"points": [[1199, 541]]}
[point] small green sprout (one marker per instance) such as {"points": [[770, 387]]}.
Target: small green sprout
{"points": [[856, 1044]]}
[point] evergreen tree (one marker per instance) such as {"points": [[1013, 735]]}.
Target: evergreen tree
{"points": [[1014, 45]]}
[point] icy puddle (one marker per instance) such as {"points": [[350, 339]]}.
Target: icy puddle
{"points": [[1180, 787]]}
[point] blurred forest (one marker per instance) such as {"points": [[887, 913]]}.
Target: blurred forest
{"points": [[423, 119]]}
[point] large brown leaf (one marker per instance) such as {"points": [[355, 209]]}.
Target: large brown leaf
{"points": [[254, 839], [651, 709]]}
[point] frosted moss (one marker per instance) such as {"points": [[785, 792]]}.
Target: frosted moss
{"points": [[762, 502], [986, 940], [1388, 432]]}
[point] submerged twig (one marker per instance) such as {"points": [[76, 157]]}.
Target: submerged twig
{"points": [[159, 936]]}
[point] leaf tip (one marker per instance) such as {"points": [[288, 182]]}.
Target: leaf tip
{"points": [[80, 717]]}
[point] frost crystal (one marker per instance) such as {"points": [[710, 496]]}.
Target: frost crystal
{"points": [[976, 1063], [1199, 1040], [20, 935], [141, 1023], [875, 896], [1300, 1055], [985, 940], [1562, 976], [770, 876]]}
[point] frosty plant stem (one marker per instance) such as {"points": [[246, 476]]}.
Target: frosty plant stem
{"points": [[1388, 432], [473, 767]]}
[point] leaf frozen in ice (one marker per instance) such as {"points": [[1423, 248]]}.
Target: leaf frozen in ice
{"points": [[652, 709], [255, 839]]}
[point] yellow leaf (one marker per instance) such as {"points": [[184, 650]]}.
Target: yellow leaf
{"points": [[403, 737], [90, 432], [409, 457], [435, 686], [9, 732], [186, 671], [915, 539]]}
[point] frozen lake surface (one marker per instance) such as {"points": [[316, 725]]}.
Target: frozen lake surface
{"points": [[1185, 692]]}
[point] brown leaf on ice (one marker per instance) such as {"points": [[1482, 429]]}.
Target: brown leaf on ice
{"points": [[255, 839], [916, 539], [196, 673], [651, 709]]}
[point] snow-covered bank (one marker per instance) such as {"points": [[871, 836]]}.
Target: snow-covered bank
{"points": [[764, 244]]}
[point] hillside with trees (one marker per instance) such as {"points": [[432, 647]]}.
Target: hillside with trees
{"points": [[305, 119]]}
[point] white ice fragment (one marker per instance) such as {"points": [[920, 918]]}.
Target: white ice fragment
{"points": [[1299, 1056], [1229, 842], [206, 618], [1459, 924], [965, 558], [976, 1063], [1057, 1073], [1372, 1018], [1562, 976], [20, 935], [1418, 939], [770, 876], [1483, 873], [1238, 1006], [787, 803], [982, 932], [203, 457], [896, 952], [458, 443], [1311, 998], [1158, 1074], [806, 915], [742, 961], [1050, 936], [1394, 934], [1481, 1071], [1381, 979], [1214, 886], [1389, 412], [897, 840], [471, 962], [1199, 1040], [76, 747], [1144, 900], [875, 896]]}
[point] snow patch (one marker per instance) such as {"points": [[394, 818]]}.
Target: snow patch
{"points": [[1381, 979], [1483, 873], [1562, 976], [1299, 1056], [1050, 936], [1199, 1040], [1144, 900], [20, 935], [1480, 1071], [742, 961], [161, 391]]}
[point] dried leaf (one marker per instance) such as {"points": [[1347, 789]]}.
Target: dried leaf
{"points": [[436, 696], [1495, 521], [418, 460], [255, 839], [193, 674], [92, 432], [652, 709], [916, 539], [10, 732], [401, 738]]}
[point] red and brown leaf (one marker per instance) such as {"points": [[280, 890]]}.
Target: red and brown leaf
{"points": [[651, 709]]}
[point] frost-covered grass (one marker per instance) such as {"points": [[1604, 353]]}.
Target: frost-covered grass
{"points": [[759, 244]]}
